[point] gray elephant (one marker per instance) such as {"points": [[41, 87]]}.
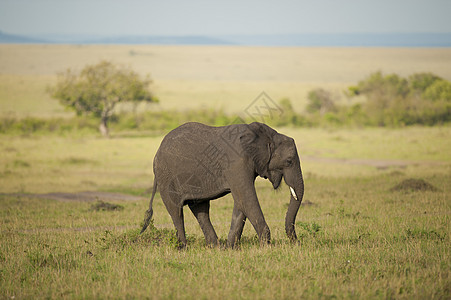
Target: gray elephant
{"points": [[197, 163]]}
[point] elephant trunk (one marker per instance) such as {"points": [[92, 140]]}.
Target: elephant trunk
{"points": [[297, 192]]}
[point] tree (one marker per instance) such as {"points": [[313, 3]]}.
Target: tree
{"points": [[420, 82], [98, 88], [440, 90], [320, 100], [422, 98], [380, 88]]}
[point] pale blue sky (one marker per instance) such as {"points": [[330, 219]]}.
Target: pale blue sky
{"points": [[213, 18]]}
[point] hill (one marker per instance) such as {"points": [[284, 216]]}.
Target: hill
{"points": [[304, 40], [6, 38]]}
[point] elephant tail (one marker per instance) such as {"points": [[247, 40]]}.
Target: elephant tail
{"points": [[149, 212]]}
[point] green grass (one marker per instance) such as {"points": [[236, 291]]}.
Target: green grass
{"points": [[25, 95], [358, 239], [385, 245], [53, 163]]}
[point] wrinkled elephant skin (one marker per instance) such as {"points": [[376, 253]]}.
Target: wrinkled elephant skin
{"points": [[197, 163]]}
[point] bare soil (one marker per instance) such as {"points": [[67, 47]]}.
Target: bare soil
{"points": [[88, 196], [377, 163], [105, 206]]}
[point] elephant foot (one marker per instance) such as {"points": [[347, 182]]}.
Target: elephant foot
{"points": [[233, 245], [265, 236], [181, 246]]}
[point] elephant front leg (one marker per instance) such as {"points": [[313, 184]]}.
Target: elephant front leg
{"points": [[236, 228], [202, 213], [246, 200]]}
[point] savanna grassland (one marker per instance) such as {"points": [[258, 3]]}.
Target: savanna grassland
{"points": [[207, 76], [365, 230]]}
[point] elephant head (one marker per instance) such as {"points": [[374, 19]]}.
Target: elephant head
{"points": [[274, 156]]}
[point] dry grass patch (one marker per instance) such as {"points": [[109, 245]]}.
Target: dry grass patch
{"points": [[213, 76]]}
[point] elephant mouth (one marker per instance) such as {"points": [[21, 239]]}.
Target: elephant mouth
{"points": [[275, 179]]}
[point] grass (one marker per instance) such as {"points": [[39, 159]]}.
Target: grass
{"points": [[25, 95], [349, 248], [49, 163], [358, 239]]}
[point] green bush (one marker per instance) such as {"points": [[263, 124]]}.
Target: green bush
{"points": [[422, 98], [420, 82], [320, 101], [439, 90], [34, 125], [289, 117]]}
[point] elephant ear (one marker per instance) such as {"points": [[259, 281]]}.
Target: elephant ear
{"points": [[258, 144]]}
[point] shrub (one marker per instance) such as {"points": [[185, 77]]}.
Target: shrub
{"points": [[420, 82], [289, 117], [422, 98], [320, 101], [33, 125], [439, 90]]}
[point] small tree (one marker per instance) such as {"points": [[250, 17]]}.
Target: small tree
{"points": [[420, 82], [422, 98], [440, 90], [98, 88], [320, 100]]}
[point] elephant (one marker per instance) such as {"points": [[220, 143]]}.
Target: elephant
{"points": [[197, 163]]}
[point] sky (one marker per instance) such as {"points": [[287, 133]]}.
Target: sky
{"points": [[216, 18]]}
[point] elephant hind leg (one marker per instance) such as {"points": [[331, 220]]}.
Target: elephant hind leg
{"points": [[179, 224], [202, 213], [176, 213]]}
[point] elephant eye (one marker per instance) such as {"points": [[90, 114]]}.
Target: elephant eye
{"points": [[289, 162]]}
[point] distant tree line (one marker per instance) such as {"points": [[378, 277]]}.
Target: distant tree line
{"points": [[389, 100], [383, 100]]}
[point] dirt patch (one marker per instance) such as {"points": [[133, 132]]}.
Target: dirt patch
{"points": [[414, 185], [105, 206], [396, 173], [380, 164], [89, 196]]}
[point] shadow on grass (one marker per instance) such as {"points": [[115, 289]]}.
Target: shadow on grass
{"points": [[414, 185], [155, 237], [105, 206], [132, 238]]}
